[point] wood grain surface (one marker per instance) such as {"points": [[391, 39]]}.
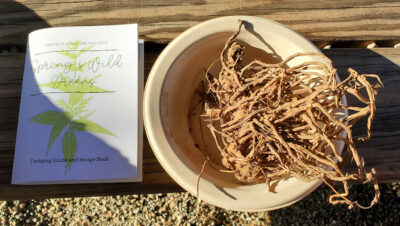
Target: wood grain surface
{"points": [[162, 20], [381, 152]]}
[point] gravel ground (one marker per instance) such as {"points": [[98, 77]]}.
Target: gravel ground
{"points": [[184, 209]]}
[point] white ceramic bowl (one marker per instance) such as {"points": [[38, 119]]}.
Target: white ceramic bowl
{"points": [[169, 89]]}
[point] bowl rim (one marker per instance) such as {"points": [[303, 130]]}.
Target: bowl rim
{"points": [[154, 127]]}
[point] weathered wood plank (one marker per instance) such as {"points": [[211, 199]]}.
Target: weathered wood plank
{"points": [[162, 20], [381, 152]]}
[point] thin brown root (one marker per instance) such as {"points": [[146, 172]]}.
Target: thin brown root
{"points": [[200, 174]]}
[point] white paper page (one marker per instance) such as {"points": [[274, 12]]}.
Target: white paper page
{"points": [[79, 108]]}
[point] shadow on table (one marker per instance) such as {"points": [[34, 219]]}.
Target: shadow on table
{"points": [[13, 13], [16, 21]]}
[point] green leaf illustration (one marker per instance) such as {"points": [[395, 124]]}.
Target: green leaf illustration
{"points": [[76, 108], [72, 88], [66, 65], [83, 51], [74, 98], [59, 124], [87, 115], [73, 51], [74, 45], [89, 126], [69, 54], [82, 65], [75, 68], [61, 103], [46, 118], [69, 148]]}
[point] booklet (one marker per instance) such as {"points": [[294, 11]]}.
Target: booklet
{"points": [[80, 118]]}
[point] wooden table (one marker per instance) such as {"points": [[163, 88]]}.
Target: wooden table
{"points": [[337, 23]]}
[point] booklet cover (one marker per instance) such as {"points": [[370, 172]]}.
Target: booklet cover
{"points": [[80, 112]]}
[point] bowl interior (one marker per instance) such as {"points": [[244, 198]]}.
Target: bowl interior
{"points": [[181, 122]]}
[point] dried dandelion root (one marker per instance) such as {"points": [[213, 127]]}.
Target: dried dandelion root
{"points": [[277, 120]]}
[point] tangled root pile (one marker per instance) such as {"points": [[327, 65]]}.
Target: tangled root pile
{"points": [[275, 120]]}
